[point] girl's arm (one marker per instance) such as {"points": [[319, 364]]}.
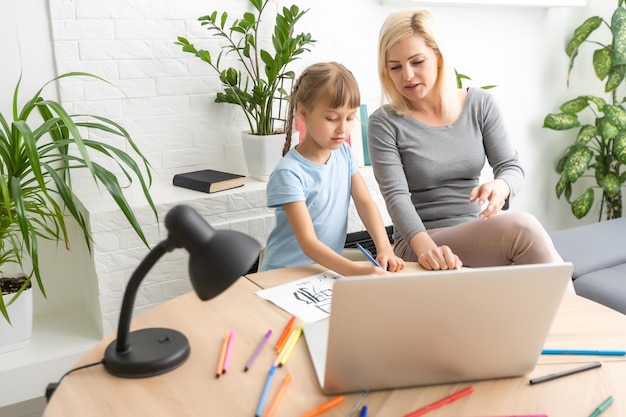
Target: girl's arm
{"points": [[370, 215], [302, 225]]}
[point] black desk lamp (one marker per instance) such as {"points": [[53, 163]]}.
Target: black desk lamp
{"points": [[217, 258]]}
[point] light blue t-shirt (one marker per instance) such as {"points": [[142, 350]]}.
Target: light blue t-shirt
{"points": [[325, 188]]}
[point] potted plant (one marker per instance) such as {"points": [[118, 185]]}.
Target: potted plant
{"points": [[257, 83], [40, 145], [599, 149]]}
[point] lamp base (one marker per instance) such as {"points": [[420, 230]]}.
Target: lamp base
{"points": [[152, 352]]}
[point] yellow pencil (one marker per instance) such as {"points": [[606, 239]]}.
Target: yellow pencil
{"points": [[289, 348], [220, 362], [281, 390]]}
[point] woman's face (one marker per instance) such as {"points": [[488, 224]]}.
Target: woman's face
{"points": [[412, 67]]}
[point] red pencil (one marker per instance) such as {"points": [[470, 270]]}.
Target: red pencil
{"points": [[441, 402]]}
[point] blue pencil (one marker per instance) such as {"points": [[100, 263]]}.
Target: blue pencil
{"points": [[266, 388], [367, 254], [583, 352]]}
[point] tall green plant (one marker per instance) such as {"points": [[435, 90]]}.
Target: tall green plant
{"points": [[40, 144], [599, 149], [257, 83]]}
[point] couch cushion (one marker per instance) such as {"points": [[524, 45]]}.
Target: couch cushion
{"points": [[593, 246], [606, 286]]}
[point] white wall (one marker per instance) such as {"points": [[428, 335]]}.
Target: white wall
{"points": [[169, 106], [166, 96]]}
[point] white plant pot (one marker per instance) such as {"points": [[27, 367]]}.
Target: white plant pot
{"points": [[263, 153], [17, 334]]}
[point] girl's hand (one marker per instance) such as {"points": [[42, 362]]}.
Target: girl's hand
{"points": [[494, 194], [389, 261], [439, 258]]}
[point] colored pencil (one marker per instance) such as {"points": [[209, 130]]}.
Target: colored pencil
{"points": [[289, 348], [220, 362], [323, 407], [602, 407], [257, 350], [271, 409], [229, 351], [288, 340], [285, 333], [266, 389], [598, 352], [556, 375], [441, 402]]}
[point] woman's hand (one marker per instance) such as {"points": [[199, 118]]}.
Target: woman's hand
{"points": [[494, 193], [439, 258]]}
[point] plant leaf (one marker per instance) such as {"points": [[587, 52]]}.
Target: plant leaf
{"points": [[577, 163], [611, 184], [619, 147], [616, 76], [582, 205], [561, 121], [575, 106], [607, 129], [616, 116], [602, 62], [618, 28], [586, 133]]}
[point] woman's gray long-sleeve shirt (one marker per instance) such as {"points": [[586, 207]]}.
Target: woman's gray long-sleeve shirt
{"points": [[426, 173]]}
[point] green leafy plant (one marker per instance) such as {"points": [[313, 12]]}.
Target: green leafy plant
{"points": [[40, 144], [258, 82], [599, 149]]}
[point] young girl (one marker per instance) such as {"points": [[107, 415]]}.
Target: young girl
{"points": [[311, 186]]}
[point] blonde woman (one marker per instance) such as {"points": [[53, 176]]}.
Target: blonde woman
{"points": [[428, 147]]}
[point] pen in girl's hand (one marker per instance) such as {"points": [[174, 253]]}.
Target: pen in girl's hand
{"points": [[367, 255]]}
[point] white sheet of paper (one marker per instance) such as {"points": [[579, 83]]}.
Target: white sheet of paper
{"points": [[307, 298]]}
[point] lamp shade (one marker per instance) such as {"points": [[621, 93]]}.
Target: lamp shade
{"points": [[217, 258]]}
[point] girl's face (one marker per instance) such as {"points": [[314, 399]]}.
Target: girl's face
{"points": [[326, 128], [413, 68]]}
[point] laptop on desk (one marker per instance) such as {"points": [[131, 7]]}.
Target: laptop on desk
{"points": [[425, 328]]}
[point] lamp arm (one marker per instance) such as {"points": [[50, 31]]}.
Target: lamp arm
{"points": [[128, 302]]}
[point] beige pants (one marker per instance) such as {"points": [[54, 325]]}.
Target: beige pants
{"points": [[505, 239], [508, 238]]}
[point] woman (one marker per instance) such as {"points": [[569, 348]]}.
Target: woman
{"points": [[428, 147]]}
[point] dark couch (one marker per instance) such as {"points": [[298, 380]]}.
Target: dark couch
{"points": [[598, 252]]}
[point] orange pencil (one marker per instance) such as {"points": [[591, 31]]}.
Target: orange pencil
{"points": [[220, 362], [285, 347], [321, 408], [285, 333], [281, 390]]}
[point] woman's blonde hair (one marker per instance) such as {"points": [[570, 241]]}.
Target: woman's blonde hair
{"points": [[328, 83], [399, 26]]}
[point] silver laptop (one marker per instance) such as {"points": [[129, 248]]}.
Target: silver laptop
{"points": [[424, 328]]}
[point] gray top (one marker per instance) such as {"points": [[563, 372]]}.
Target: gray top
{"points": [[426, 173]]}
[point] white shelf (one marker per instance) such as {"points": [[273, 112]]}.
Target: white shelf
{"points": [[59, 340], [519, 3]]}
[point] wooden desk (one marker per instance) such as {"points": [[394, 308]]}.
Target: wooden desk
{"points": [[192, 389]]}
